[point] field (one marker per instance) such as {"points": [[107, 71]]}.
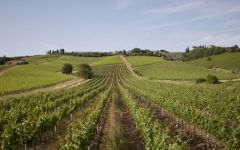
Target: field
{"points": [[44, 71], [156, 68], [41, 71], [120, 75], [226, 61], [117, 110], [143, 60], [107, 61]]}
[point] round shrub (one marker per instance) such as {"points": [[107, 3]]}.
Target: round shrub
{"points": [[67, 69], [209, 59], [85, 71], [212, 79], [200, 80]]}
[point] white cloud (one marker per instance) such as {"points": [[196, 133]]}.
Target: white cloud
{"points": [[209, 15], [174, 8], [153, 27], [196, 11], [226, 39]]}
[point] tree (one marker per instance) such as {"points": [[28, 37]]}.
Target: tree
{"points": [[85, 71], [62, 51], [236, 46], [49, 52], [2, 61], [136, 50], [163, 51], [67, 69], [187, 50], [209, 59], [124, 52]]}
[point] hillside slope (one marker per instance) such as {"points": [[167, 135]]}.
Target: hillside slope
{"points": [[143, 60], [40, 72], [148, 67], [226, 61]]}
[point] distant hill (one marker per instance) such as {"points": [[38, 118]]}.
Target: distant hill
{"points": [[143, 60], [230, 61], [199, 52], [157, 68], [204, 51]]}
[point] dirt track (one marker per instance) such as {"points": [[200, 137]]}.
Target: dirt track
{"points": [[117, 129]]}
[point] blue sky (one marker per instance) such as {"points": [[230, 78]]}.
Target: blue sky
{"points": [[29, 27]]}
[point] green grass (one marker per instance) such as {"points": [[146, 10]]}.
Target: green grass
{"points": [[107, 61], [46, 70], [143, 60], [227, 61], [57, 60], [3, 67], [41, 71], [178, 71], [41, 58], [28, 77]]}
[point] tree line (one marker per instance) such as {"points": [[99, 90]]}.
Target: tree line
{"points": [[204, 51], [5, 59], [142, 52], [195, 53], [90, 54], [133, 52], [54, 52], [82, 54]]}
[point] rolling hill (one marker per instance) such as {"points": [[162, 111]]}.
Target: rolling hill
{"points": [[229, 61], [156, 68]]}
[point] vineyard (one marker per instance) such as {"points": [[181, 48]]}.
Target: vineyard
{"points": [[116, 110], [44, 71], [120, 75]]}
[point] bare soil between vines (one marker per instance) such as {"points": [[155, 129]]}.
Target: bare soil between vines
{"points": [[118, 130]]}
